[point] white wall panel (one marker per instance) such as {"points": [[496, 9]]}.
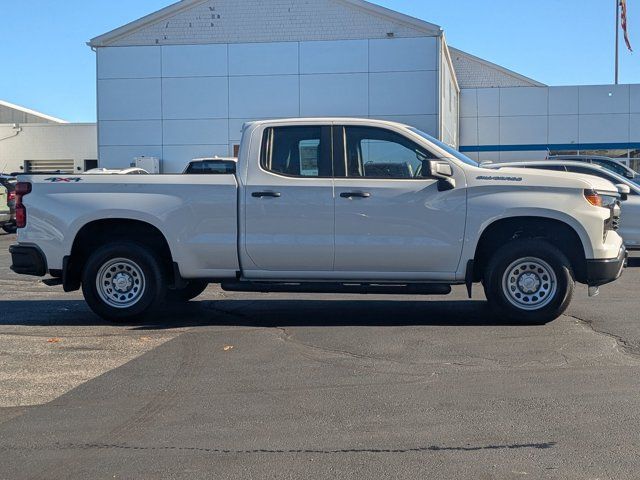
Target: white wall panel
{"points": [[469, 131], [604, 99], [337, 95], [469, 103], [634, 98], [403, 54], [131, 99], [524, 130], [489, 131], [347, 56], [488, 102], [194, 61], [194, 98], [133, 132], [263, 58], [273, 96], [176, 158], [403, 93], [426, 123], [523, 101], [202, 132], [128, 62], [122, 156], [604, 128], [521, 156], [564, 100], [564, 128]]}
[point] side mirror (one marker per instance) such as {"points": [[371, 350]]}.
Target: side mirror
{"points": [[436, 169], [623, 190]]}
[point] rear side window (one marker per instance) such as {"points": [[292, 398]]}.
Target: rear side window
{"points": [[614, 167], [297, 151]]}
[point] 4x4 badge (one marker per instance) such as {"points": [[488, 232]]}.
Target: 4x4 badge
{"points": [[63, 179]]}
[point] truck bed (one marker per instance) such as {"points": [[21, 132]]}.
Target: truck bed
{"points": [[197, 215]]}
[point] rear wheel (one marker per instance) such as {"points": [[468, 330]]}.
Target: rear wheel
{"points": [[193, 289], [10, 228], [530, 281], [122, 282]]}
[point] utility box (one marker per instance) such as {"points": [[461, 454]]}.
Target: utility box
{"points": [[150, 164]]}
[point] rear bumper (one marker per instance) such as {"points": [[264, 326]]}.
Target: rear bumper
{"points": [[28, 260], [5, 217], [601, 272]]}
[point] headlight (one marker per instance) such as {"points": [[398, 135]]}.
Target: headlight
{"points": [[603, 200]]}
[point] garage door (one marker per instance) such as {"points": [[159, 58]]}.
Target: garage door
{"points": [[49, 166]]}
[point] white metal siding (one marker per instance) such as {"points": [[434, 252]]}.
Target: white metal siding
{"points": [[197, 101]]}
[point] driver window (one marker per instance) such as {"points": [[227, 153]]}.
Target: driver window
{"points": [[378, 153]]}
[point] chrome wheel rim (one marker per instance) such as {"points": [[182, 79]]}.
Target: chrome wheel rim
{"points": [[529, 283], [120, 283]]}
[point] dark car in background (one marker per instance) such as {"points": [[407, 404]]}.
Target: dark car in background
{"points": [[609, 163], [9, 183], [211, 166]]}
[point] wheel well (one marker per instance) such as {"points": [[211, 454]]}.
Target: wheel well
{"points": [[100, 232], [557, 232]]}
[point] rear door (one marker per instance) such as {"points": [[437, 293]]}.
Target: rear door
{"points": [[391, 223], [288, 204]]}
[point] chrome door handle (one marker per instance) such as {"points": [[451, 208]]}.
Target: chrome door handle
{"points": [[355, 195], [266, 194]]}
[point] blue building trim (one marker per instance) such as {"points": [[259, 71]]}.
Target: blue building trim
{"points": [[554, 146]]}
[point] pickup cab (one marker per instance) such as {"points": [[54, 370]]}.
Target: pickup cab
{"points": [[324, 205]]}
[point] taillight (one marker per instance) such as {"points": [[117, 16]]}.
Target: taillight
{"points": [[12, 196], [593, 198], [22, 189]]}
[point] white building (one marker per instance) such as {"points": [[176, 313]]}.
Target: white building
{"points": [[32, 141], [179, 83]]}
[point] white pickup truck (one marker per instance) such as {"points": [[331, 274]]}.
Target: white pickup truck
{"points": [[324, 205]]}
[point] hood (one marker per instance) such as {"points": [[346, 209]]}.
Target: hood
{"points": [[546, 178]]}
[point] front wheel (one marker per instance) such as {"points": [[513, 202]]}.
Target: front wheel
{"points": [[123, 282], [529, 281]]}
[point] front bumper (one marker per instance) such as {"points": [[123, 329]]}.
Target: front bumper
{"points": [[28, 260], [601, 272]]}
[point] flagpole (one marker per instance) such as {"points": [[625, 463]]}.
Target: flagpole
{"points": [[617, 36]]}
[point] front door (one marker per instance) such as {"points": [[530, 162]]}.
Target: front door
{"points": [[288, 217], [391, 223]]}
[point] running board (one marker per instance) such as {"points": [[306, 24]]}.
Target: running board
{"points": [[321, 287]]}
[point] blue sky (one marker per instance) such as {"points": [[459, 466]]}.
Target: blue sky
{"points": [[47, 66]]}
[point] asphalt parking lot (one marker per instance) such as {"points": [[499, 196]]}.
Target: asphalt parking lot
{"points": [[261, 386]]}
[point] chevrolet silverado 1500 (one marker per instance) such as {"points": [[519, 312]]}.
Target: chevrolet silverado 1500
{"points": [[323, 205]]}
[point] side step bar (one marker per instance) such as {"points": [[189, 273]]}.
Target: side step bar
{"points": [[357, 288]]}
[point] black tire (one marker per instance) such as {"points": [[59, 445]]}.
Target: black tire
{"points": [[151, 282], [10, 228], [502, 285], [193, 289]]}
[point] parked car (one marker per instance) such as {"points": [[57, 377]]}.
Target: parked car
{"points": [[124, 171], [211, 166], [630, 221], [301, 215], [9, 183], [609, 163]]}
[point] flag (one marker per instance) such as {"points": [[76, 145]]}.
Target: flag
{"points": [[623, 4]]}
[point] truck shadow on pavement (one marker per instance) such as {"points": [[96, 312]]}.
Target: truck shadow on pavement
{"points": [[264, 313]]}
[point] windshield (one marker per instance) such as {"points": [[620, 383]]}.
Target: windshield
{"points": [[447, 148]]}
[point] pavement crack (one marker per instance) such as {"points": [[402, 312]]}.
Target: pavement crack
{"points": [[623, 346], [218, 450]]}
